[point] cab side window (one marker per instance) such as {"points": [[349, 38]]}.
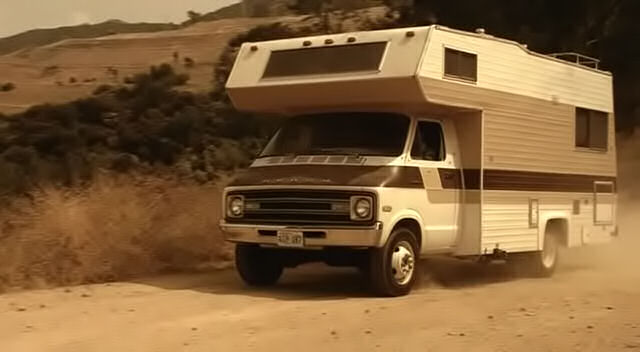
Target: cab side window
{"points": [[428, 143]]}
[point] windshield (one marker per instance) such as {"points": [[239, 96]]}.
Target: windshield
{"points": [[379, 134]]}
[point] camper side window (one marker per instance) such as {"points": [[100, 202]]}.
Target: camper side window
{"points": [[428, 143], [592, 129]]}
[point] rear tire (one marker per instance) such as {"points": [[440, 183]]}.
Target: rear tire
{"points": [[393, 268], [258, 266], [542, 263]]}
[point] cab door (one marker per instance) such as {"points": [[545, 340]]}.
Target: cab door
{"points": [[433, 149]]}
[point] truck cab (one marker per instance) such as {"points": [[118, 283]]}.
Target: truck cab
{"points": [[351, 180]]}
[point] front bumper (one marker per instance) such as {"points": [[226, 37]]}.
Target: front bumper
{"points": [[322, 236]]}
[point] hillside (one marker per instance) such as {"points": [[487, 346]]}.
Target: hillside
{"points": [[231, 11], [39, 37], [73, 68], [46, 36]]}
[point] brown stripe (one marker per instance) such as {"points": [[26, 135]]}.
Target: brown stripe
{"points": [[331, 175], [450, 178], [507, 180], [605, 188], [471, 178], [410, 177]]}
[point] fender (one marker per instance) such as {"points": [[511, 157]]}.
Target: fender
{"points": [[399, 216], [544, 218]]}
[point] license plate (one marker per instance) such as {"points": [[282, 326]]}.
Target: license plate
{"points": [[290, 239]]}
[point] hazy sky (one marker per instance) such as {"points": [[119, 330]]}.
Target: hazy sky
{"points": [[20, 15]]}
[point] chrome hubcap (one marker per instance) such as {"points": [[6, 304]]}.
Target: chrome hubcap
{"points": [[402, 263]]}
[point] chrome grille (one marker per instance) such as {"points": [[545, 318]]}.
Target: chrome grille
{"points": [[296, 207]]}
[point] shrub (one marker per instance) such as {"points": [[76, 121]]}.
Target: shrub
{"points": [[189, 62], [113, 72], [20, 155], [73, 80], [148, 120], [50, 70], [7, 87], [227, 154], [101, 89], [125, 162]]}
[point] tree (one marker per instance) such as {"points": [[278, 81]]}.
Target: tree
{"points": [[321, 9], [193, 16]]}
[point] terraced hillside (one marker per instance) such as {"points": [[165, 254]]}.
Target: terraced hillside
{"points": [[73, 68]]}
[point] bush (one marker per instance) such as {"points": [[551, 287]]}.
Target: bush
{"points": [[50, 70], [113, 72], [101, 89], [20, 155], [227, 155], [7, 87], [189, 62], [148, 123], [73, 80]]}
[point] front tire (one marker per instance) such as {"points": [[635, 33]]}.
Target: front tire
{"points": [[258, 266], [393, 268]]}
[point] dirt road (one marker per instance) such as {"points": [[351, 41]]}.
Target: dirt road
{"points": [[592, 304]]}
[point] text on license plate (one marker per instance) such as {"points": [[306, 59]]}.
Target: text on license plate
{"points": [[290, 239]]}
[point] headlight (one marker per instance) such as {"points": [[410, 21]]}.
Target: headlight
{"points": [[361, 208], [235, 206]]}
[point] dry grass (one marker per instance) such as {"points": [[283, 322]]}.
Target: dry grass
{"points": [[115, 229]]}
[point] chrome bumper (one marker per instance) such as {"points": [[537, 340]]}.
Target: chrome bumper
{"points": [[332, 237]]}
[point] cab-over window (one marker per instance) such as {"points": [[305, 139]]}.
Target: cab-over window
{"points": [[461, 65]]}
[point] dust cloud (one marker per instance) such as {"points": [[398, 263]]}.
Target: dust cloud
{"points": [[621, 256]]}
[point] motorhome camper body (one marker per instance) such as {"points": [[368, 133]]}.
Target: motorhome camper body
{"points": [[461, 143]]}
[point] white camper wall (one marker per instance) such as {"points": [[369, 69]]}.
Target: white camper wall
{"points": [[469, 129], [527, 134], [528, 105], [507, 67]]}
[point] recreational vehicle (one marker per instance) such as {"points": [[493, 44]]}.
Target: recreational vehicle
{"points": [[405, 143]]}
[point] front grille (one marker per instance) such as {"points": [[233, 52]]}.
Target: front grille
{"points": [[296, 207]]}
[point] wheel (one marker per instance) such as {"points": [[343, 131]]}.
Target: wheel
{"points": [[542, 263], [257, 266], [392, 268]]}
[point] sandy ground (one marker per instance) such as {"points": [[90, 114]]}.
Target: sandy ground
{"points": [[591, 304]]}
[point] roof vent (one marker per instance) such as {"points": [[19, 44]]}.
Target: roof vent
{"points": [[480, 31]]}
